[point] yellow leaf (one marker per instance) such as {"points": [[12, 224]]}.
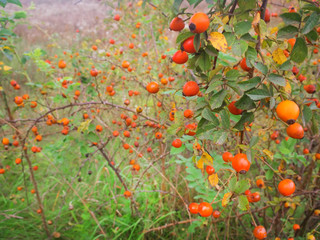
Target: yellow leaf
{"points": [[226, 199], [225, 19], [98, 41], [205, 159], [274, 30], [200, 164], [278, 56], [218, 41], [287, 88], [268, 153], [7, 68], [213, 179], [255, 23], [84, 126], [1, 63]]}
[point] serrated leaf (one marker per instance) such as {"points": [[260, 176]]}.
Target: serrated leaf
{"points": [[299, 51], [269, 174], [307, 114], [242, 186], [232, 184], [251, 83], [289, 18], [232, 74], [208, 115], [286, 66], [260, 67], [242, 27], [225, 119], [183, 36], [277, 79], [251, 54], [196, 42], [278, 56], [213, 179], [287, 32], [218, 41], [226, 199], [239, 47], [246, 117], [217, 99], [204, 62], [311, 23], [258, 94], [245, 103], [243, 203]]}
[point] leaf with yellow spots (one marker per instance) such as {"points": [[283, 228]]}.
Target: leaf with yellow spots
{"points": [[287, 88], [278, 56], [218, 41], [268, 153], [205, 159], [226, 199], [7, 68], [213, 179]]}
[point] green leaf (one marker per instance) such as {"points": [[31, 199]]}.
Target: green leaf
{"points": [[243, 204], [258, 94], [230, 37], [246, 4], [225, 119], [312, 36], [176, 5], [211, 51], [247, 117], [239, 47], [183, 36], [289, 18], [19, 15], [208, 115], [307, 114], [174, 150], [260, 67], [217, 99], [287, 32], [220, 137], [242, 27], [299, 51], [311, 7], [311, 23], [277, 79], [3, 3], [232, 184], [251, 54], [314, 126], [93, 137], [286, 66], [204, 62], [16, 2], [242, 185], [196, 42], [251, 83], [245, 103], [232, 74], [254, 140], [269, 174]]}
